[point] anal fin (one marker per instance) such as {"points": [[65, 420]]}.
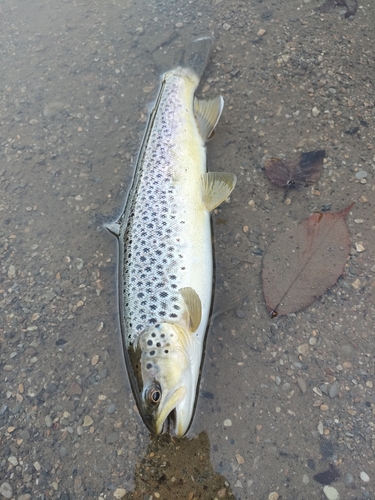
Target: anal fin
{"points": [[216, 187], [193, 306]]}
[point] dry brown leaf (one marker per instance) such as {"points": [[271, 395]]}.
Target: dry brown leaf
{"points": [[305, 261]]}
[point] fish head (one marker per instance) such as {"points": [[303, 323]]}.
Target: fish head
{"points": [[166, 369]]}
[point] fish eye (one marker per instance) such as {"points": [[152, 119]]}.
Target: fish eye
{"points": [[154, 395]]}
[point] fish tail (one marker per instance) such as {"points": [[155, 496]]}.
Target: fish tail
{"points": [[196, 55]]}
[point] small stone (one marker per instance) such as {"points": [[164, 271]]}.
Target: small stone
{"points": [[240, 459], [226, 26], [359, 247], [331, 493], [324, 407], [356, 284], [273, 496], [333, 390], [87, 421], [179, 25], [6, 490], [13, 460], [111, 408], [320, 428], [261, 32], [365, 478], [48, 420], [362, 174], [74, 389], [227, 422], [63, 452], [11, 272], [315, 111], [95, 360], [348, 479], [37, 466], [119, 493], [8, 368], [305, 479], [302, 384], [303, 349], [313, 340]]}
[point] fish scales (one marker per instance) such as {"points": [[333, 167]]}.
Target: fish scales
{"points": [[159, 252]]}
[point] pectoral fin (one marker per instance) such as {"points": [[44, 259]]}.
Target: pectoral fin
{"points": [[193, 306], [216, 187], [207, 114]]}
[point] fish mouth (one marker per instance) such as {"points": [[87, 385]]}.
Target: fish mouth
{"points": [[167, 419], [169, 426]]}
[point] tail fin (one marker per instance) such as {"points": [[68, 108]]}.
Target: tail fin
{"points": [[196, 55]]}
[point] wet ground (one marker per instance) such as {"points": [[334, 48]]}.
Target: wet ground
{"points": [[282, 400]]}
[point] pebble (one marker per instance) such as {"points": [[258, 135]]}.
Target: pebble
{"points": [[227, 422], [333, 390], [13, 460], [119, 493], [87, 421], [6, 490], [315, 111], [331, 493], [359, 247], [348, 479], [63, 452], [273, 495], [362, 174], [302, 384], [111, 408], [320, 428], [48, 420], [365, 478], [303, 349], [226, 26], [11, 272]]}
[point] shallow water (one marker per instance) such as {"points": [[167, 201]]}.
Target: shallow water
{"points": [[282, 399]]}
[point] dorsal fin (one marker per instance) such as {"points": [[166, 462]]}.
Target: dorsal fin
{"points": [[193, 306], [207, 114], [216, 187]]}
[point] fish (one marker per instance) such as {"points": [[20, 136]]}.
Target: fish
{"points": [[165, 248]]}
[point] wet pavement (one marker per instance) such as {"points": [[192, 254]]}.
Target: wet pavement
{"points": [[287, 405]]}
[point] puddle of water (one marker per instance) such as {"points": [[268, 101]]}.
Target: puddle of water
{"points": [[76, 83]]}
